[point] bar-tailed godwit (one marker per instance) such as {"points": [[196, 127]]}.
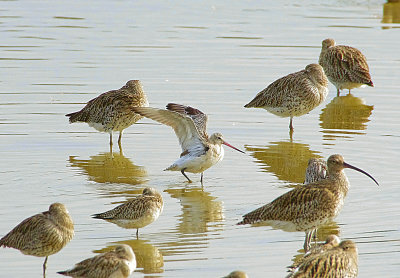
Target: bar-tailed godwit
{"points": [[119, 263], [295, 94], [111, 111], [43, 234], [345, 66], [199, 151], [309, 206], [337, 262], [136, 213]]}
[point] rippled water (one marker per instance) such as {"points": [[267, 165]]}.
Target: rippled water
{"points": [[55, 56]]}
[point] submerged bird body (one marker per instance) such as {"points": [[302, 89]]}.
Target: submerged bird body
{"points": [[316, 250], [295, 94], [346, 67], [136, 213], [309, 206], [43, 234], [111, 111], [237, 274], [199, 151], [337, 262], [119, 263]]}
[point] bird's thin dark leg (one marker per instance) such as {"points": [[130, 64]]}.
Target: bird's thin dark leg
{"points": [[338, 92], [183, 173], [315, 236], [201, 179], [44, 267], [119, 139], [137, 233], [307, 241]]}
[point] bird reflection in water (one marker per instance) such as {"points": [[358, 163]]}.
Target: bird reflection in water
{"points": [[391, 12], [110, 168], [149, 258], [200, 211], [286, 160], [345, 113]]}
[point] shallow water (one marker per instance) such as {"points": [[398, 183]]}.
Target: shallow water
{"points": [[216, 57]]}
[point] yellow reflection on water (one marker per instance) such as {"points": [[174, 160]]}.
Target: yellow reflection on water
{"points": [[345, 113], [148, 257], [110, 168], [286, 160], [391, 12], [199, 209]]}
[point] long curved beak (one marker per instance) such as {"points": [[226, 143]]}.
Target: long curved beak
{"points": [[346, 165], [229, 145]]}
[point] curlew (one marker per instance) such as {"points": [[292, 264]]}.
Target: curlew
{"points": [[111, 111], [330, 242], [119, 263], [345, 66], [337, 262], [43, 234], [309, 206], [237, 274], [295, 94], [199, 151], [136, 213]]}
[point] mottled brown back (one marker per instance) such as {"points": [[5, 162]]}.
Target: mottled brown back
{"points": [[113, 108], [42, 234]]}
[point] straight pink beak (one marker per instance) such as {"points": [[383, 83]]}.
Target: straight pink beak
{"points": [[229, 145]]}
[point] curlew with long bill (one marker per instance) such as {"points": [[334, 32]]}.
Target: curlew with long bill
{"points": [[309, 206]]}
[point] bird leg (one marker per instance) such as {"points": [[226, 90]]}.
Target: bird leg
{"points": [[338, 92], [137, 233], [183, 173], [111, 142], [291, 124], [315, 236], [119, 139], [201, 179], [44, 267], [307, 241]]}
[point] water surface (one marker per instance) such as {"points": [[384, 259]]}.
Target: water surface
{"points": [[214, 56]]}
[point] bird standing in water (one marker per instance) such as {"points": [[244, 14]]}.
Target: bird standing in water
{"points": [[199, 151], [293, 95], [119, 263], [43, 234], [111, 111], [136, 213], [345, 66], [309, 206], [337, 262]]}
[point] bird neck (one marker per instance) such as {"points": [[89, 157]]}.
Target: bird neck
{"points": [[341, 181]]}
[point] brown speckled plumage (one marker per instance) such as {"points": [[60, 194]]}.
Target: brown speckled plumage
{"points": [[112, 111], [295, 94], [338, 262], [119, 263], [316, 170], [43, 234], [307, 207], [316, 250], [345, 66], [136, 213]]}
